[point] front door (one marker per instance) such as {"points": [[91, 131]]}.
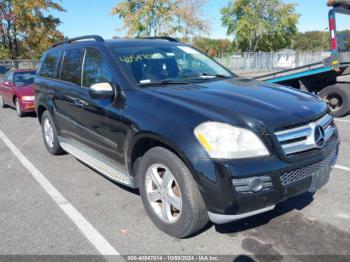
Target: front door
{"points": [[6, 90], [96, 127]]}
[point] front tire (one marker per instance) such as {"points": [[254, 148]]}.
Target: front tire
{"points": [[50, 135], [19, 111], [170, 194], [2, 104], [338, 98]]}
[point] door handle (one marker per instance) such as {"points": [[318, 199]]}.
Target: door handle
{"points": [[77, 102], [80, 103]]}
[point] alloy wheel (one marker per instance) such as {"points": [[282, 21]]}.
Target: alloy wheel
{"points": [[18, 108], [48, 133], [163, 193]]}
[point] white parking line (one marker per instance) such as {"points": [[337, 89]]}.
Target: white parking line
{"points": [[342, 120], [342, 168], [88, 230]]}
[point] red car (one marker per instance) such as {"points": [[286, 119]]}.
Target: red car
{"points": [[17, 90]]}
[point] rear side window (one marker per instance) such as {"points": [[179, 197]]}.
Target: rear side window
{"points": [[95, 68], [49, 66], [70, 70]]}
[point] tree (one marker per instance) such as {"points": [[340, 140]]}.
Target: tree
{"points": [[213, 47], [260, 25], [161, 17], [312, 41], [27, 28], [188, 13]]}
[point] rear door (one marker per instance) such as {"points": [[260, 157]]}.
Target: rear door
{"points": [[67, 93], [2, 88], [45, 83]]}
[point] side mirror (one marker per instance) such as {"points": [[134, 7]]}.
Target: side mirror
{"points": [[101, 91], [8, 83]]}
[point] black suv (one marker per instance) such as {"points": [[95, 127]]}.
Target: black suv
{"points": [[197, 141]]}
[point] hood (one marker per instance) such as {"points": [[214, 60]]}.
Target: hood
{"points": [[244, 100], [27, 90]]}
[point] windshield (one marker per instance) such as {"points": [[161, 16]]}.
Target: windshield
{"points": [[24, 78], [167, 64]]}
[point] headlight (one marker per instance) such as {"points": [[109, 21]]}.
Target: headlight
{"points": [[28, 98], [224, 141]]}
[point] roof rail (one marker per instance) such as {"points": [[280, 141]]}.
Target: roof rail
{"points": [[171, 39], [86, 37]]}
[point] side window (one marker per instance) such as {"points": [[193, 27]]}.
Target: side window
{"points": [[70, 69], [49, 66], [95, 68], [6, 76], [10, 76]]}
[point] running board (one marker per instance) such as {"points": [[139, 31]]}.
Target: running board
{"points": [[97, 161]]}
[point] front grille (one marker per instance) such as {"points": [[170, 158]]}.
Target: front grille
{"points": [[302, 138], [294, 140], [294, 126], [305, 172], [299, 124]]}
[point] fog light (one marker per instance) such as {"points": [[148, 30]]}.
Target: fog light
{"points": [[252, 184], [256, 185]]}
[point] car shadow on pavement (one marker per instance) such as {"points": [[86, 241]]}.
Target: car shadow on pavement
{"points": [[295, 203], [244, 258], [13, 110], [32, 115]]}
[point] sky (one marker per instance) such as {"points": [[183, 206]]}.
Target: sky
{"points": [[83, 17]]}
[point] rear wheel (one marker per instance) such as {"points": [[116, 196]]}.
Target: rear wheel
{"points": [[19, 111], [50, 135], [170, 194], [338, 98]]}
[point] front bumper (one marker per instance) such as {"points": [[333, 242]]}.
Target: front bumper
{"points": [[223, 219], [228, 200], [27, 106]]}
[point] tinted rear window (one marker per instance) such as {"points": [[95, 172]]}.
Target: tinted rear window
{"points": [[70, 70], [49, 66]]}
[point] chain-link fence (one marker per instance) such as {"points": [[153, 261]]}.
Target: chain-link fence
{"points": [[270, 62], [241, 63]]}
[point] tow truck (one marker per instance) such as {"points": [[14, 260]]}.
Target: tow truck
{"points": [[322, 78]]}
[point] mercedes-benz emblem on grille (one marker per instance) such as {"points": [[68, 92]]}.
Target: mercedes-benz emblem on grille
{"points": [[319, 136]]}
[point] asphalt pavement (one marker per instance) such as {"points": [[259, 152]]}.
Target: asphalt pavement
{"points": [[55, 205]]}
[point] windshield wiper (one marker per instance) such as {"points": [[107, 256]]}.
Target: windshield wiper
{"points": [[207, 76], [165, 82], [214, 75]]}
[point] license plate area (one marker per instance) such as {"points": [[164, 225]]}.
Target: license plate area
{"points": [[318, 172], [319, 178]]}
